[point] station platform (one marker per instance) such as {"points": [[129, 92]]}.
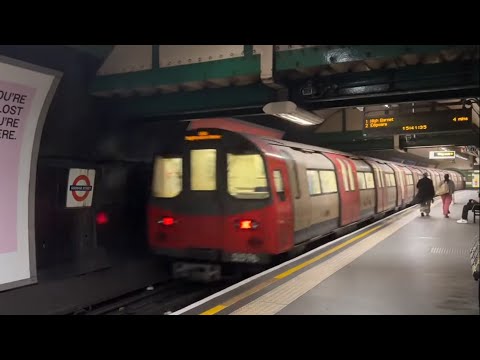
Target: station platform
{"points": [[404, 264]]}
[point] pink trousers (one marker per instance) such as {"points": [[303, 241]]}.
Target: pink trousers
{"points": [[446, 200]]}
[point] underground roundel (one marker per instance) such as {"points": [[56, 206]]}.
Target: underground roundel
{"points": [[80, 187]]}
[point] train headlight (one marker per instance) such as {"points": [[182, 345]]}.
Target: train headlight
{"points": [[246, 224]]}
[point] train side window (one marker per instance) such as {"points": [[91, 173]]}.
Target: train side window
{"points": [[203, 169], [167, 177], [344, 175], [370, 184], [361, 180], [401, 179], [246, 176], [313, 182], [279, 187], [392, 180], [409, 179], [328, 181], [387, 180]]}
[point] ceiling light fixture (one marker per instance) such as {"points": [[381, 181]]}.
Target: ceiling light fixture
{"points": [[290, 111]]}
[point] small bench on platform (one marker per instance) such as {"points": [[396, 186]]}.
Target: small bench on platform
{"points": [[476, 211]]}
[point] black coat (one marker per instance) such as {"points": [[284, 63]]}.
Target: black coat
{"points": [[426, 191]]}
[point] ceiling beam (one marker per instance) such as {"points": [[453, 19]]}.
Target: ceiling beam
{"points": [[99, 51], [228, 101], [177, 75], [337, 54], [412, 83]]}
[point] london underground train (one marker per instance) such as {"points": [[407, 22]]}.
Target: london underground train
{"points": [[234, 196]]}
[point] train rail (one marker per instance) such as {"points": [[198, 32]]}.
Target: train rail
{"points": [[159, 299]]}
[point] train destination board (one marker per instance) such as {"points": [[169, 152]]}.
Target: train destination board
{"points": [[441, 155], [422, 122]]}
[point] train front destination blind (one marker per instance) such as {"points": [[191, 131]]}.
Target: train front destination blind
{"points": [[422, 122]]}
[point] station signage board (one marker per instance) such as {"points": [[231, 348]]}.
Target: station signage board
{"points": [[416, 123]]}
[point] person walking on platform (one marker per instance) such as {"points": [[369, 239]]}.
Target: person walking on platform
{"points": [[446, 190], [425, 194], [466, 208]]}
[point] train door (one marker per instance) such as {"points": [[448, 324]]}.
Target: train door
{"points": [[281, 191], [416, 176], [409, 184], [402, 180], [381, 199], [378, 184], [399, 175], [294, 183], [434, 178], [348, 188], [204, 183]]}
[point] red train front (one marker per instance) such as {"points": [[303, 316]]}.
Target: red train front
{"points": [[220, 199]]}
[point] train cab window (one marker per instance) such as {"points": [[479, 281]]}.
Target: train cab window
{"points": [[246, 176], [361, 180], [328, 181], [370, 184], [313, 182], [277, 178], [167, 177], [203, 170]]}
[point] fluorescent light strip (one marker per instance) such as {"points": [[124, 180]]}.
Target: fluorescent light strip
{"points": [[296, 119]]}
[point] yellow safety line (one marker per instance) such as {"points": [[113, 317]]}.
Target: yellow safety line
{"points": [[214, 310], [322, 255], [283, 275]]}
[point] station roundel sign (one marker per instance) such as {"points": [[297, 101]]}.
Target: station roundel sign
{"points": [[80, 188], [77, 188]]}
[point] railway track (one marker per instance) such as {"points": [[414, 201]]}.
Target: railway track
{"points": [[159, 299]]}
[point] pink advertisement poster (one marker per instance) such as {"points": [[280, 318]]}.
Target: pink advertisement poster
{"points": [[15, 104]]}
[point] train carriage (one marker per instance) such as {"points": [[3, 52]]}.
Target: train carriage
{"points": [[316, 196]]}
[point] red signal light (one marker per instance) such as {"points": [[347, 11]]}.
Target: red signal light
{"points": [[168, 220], [102, 218]]}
